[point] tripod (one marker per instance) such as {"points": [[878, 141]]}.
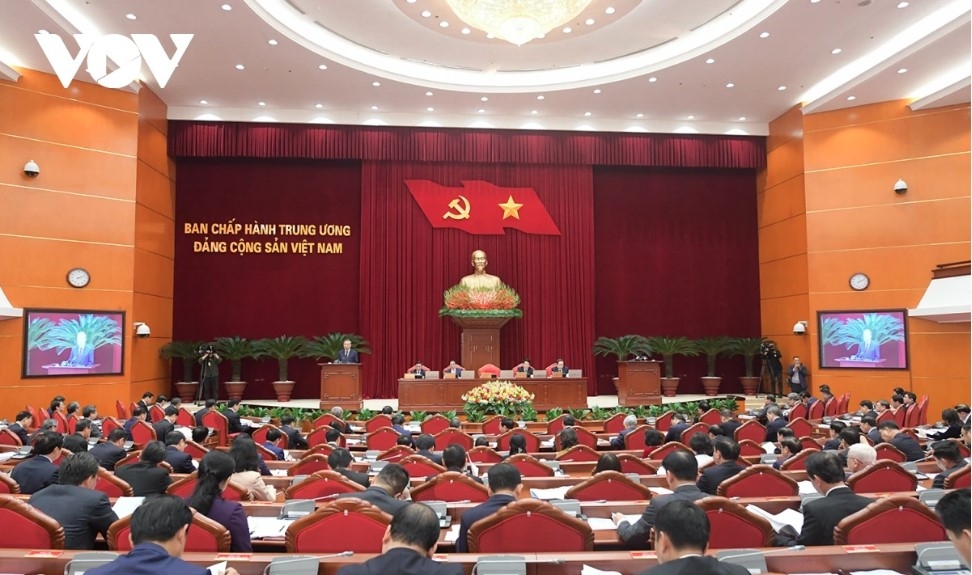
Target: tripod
{"points": [[774, 370]]}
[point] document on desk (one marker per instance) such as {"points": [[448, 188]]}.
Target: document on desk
{"points": [[588, 570], [806, 488], [7, 455], [185, 431], [660, 491], [217, 568], [547, 443], [548, 494], [790, 517], [267, 527], [606, 524], [125, 506], [278, 472], [452, 534]]}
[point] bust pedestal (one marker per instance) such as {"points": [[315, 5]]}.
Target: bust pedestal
{"points": [[480, 340]]}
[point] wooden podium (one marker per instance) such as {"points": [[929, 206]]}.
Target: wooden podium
{"points": [[341, 385], [480, 340], [639, 383]]}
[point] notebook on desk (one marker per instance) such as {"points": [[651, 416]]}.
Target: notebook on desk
{"points": [[466, 374], [506, 374], [574, 373], [431, 375]]}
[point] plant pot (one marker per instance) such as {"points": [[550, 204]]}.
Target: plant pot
{"points": [[669, 386], [750, 384], [187, 390], [283, 389], [711, 385], [235, 389]]}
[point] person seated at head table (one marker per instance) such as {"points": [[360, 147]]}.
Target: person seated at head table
{"points": [[560, 367], [524, 368], [453, 369], [418, 370]]}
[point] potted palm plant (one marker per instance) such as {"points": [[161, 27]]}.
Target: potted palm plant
{"points": [[712, 347], [749, 348], [281, 348], [622, 348], [668, 348], [235, 349], [39, 335], [186, 352], [327, 347]]}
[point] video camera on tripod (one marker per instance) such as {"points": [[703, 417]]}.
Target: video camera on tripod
{"points": [[768, 350]]}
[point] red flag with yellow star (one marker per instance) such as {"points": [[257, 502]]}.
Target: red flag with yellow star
{"points": [[483, 208]]}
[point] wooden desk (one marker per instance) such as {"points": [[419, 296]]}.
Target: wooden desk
{"points": [[446, 394]]}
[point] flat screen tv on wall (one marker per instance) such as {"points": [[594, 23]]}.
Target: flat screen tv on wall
{"points": [[871, 339], [66, 342]]}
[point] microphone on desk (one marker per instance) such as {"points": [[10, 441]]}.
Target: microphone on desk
{"points": [[734, 557], [316, 558]]}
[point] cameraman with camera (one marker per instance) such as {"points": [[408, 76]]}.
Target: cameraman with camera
{"points": [[771, 363], [796, 375], [208, 374]]}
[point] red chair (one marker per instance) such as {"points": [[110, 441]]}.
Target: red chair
{"points": [[260, 436], [377, 422], [923, 411], [448, 436], [121, 410], [322, 484], [382, 439], [326, 419], [816, 410], [395, 453], [185, 486], [799, 461], [143, 433], [529, 466], [323, 449], [493, 425], [185, 419], [532, 441], [216, 420], [530, 526], [156, 413], [62, 422], [749, 448], [752, 430], [636, 439], [132, 407], [584, 437], [883, 476], [711, 417], [958, 479], [556, 424], [798, 410], [634, 464], [128, 459], [830, 407], [72, 424], [420, 466], [265, 453], [609, 486], [483, 454], [205, 535], [758, 481], [26, 527], [692, 430], [911, 416], [843, 403], [809, 443], [579, 453], [318, 436], [887, 451], [885, 416], [112, 485], [308, 465], [451, 486], [801, 427], [195, 450], [8, 437], [894, 519], [664, 450], [110, 424], [8, 485], [615, 423], [343, 525], [488, 371], [963, 450], [434, 424], [731, 526], [664, 421], [900, 415]]}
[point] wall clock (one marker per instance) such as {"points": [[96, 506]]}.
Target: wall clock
{"points": [[859, 282], [78, 277]]}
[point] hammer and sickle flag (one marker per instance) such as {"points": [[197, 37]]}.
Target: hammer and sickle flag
{"points": [[482, 208]]}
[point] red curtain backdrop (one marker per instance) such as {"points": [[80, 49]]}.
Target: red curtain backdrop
{"points": [[676, 253], [407, 265], [266, 295]]}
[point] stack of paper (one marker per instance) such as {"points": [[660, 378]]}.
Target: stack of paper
{"points": [[588, 570], [452, 534], [125, 506], [660, 490], [278, 472], [548, 494], [790, 517], [806, 488], [267, 527]]}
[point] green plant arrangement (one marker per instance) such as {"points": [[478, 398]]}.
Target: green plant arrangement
{"points": [[475, 417], [499, 397], [528, 413], [100, 331], [712, 348], [656, 410], [327, 347], [235, 349], [600, 414], [461, 301], [39, 335], [579, 413], [366, 414], [186, 352], [450, 415], [749, 348], [884, 328], [553, 413], [669, 347], [622, 347], [418, 416], [281, 348]]}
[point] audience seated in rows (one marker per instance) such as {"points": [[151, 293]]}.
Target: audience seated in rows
{"points": [[74, 503], [725, 458], [340, 459], [504, 488], [388, 491], [949, 460], [891, 433], [681, 537], [247, 472], [146, 477], [110, 451]]}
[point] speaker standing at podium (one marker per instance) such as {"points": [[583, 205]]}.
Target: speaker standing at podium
{"points": [[347, 355]]}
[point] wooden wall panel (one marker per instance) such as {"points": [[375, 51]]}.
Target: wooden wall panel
{"points": [[67, 169], [783, 239], [783, 277], [154, 275], [156, 191], [72, 217]]}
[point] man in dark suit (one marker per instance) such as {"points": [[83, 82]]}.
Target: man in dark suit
{"points": [[138, 414], [679, 424], [388, 492], [148, 399], [820, 516], [233, 423], [110, 450], [949, 460], [78, 441], [342, 426], [725, 464], [424, 444], [418, 370], [340, 460], [681, 536], [869, 428], [90, 412], [175, 453], [407, 547], [630, 423], [505, 486], [525, 368], [833, 442], [681, 471], [347, 355], [146, 477], [273, 435], [728, 425], [953, 508], [19, 427], [210, 404], [560, 367], [159, 535], [398, 424], [796, 375], [775, 422], [453, 369], [74, 503], [166, 425], [866, 409], [294, 439], [39, 471], [905, 443], [454, 459]]}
